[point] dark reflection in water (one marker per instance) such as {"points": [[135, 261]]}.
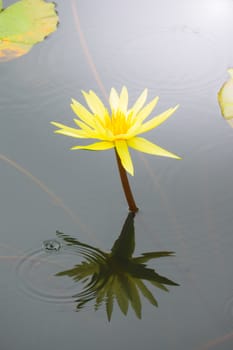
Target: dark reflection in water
{"points": [[117, 275]]}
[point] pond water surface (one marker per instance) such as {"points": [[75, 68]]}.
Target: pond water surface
{"points": [[180, 50]]}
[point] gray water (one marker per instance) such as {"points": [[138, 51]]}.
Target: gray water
{"points": [[180, 50]]}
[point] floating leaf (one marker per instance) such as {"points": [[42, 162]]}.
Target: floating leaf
{"points": [[225, 97], [24, 24]]}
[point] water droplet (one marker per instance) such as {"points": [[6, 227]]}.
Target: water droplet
{"points": [[51, 245]]}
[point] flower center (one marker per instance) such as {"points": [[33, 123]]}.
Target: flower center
{"points": [[118, 123]]}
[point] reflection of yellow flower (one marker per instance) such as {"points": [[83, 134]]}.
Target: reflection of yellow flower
{"points": [[116, 276], [225, 97], [118, 129]]}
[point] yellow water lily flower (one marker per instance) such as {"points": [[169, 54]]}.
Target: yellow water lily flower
{"points": [[118, 129], [225, 97]]}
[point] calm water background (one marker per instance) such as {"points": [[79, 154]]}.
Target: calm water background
{"points": [[180, 50]]}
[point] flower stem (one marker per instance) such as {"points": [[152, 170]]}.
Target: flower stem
{"points": [[126, 187]]}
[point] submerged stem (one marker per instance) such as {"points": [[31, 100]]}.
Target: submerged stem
{"points": [[126, 187]]}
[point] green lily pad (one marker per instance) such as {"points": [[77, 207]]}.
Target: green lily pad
{"points": [[24, 24]]}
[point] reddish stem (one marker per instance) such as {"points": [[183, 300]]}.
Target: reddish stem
{"points": [[126, 187]]}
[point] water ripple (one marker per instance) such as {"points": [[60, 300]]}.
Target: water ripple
{"points": [[40, 80], [36, 273], [173, 60]]}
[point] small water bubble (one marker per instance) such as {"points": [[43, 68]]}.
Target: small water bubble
{"points": [[51, 245]]}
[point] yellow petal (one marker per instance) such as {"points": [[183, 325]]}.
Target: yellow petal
{"points": [[140, 117], [58, 125], [225, 97], [143, 145], [113, 100], [72, 132], [77, 134], [123, 152], [82, 113], [94, 103], [83, 126], [146, 111], [139, 102], [123, 101], [88, 132], [100, 108], [98, 146], [101, 131], [156, 121]]}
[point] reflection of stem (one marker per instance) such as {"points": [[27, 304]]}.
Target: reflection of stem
{"points": [[126, 186]]}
